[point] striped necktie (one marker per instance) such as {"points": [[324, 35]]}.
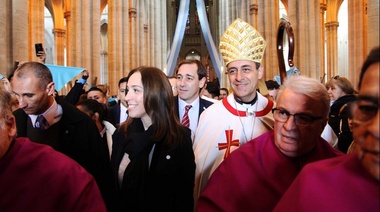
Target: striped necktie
{"points": [[185, 118]]}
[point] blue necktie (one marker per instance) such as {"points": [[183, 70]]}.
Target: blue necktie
{"points": [[41, 123]]}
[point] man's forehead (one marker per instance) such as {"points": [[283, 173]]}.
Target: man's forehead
{"points": [[188, 67], [123, 85], [240, 63], [95, 93]]}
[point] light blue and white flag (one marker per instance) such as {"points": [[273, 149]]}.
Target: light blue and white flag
{"points": [[63, 74]]}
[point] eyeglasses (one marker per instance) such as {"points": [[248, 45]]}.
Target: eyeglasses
{"points": [[282, 116], [364, 109]]}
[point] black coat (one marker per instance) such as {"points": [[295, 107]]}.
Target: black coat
{"points": [[113, 114], [79, 139], [167, 185], [338, 120], [74, 94]]}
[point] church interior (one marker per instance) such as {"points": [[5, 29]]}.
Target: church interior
{"points": [[111, 37]]}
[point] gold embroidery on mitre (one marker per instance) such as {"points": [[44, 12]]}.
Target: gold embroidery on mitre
{"points": [[241, 42]]}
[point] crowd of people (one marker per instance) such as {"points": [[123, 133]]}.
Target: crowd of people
{"points": [[180, 143]]}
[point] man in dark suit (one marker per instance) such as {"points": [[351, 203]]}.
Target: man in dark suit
{"points": [[118, 113], [191, 78], [57, 123]]}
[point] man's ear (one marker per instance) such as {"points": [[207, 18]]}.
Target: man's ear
{"points": [[50, 88], [202, 82], [261, 71], [11, 124]]}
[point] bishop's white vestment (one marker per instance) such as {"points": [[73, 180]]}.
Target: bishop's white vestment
{"points": [[222, 128]]}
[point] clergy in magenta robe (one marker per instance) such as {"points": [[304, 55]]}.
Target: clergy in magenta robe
{"points": [[34, 177], [255, 176], [224, 127], [337, 184]]}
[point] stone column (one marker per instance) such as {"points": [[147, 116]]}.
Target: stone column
{"points": [[332, 48], [223, 17], [91, 35], [35, 25], [118, 41], [134, 53], [158, 34], [74, 29], [172, 20], [152, 35], [242, 8], [19, 31], [145, 52], [59, 45], [6, 29], [213, 21], [373, 7], [322, 41], [232, 7], [104, 66], [269, 19], [161, 34], [357, 40], [253, 11], [67, 16], [305, 21], [143, 33]]}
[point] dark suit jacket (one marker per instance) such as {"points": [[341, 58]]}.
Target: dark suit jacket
{"points": [[74, 94], [80, 140], [203, 105], [113, 114]]}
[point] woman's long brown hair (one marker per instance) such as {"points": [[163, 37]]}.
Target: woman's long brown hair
{"points": [[159, 105]]}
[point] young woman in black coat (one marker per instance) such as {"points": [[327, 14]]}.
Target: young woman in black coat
{"points": [[152, 158]]}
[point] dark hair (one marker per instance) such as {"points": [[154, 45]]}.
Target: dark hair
{"points": [[39, 70], [257, 66], [10, 77], [271, 84], [124, 79], [212, 89], [201, 72], [373, 57], [96, 89], [159, 105], [92, 106], [224, 89]]}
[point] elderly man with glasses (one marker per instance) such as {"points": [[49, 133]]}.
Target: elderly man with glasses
{"points": [[350, 182], [255, 176]]}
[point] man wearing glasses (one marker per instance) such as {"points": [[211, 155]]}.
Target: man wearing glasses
{"points": [[350, 182], [255, 176]]}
